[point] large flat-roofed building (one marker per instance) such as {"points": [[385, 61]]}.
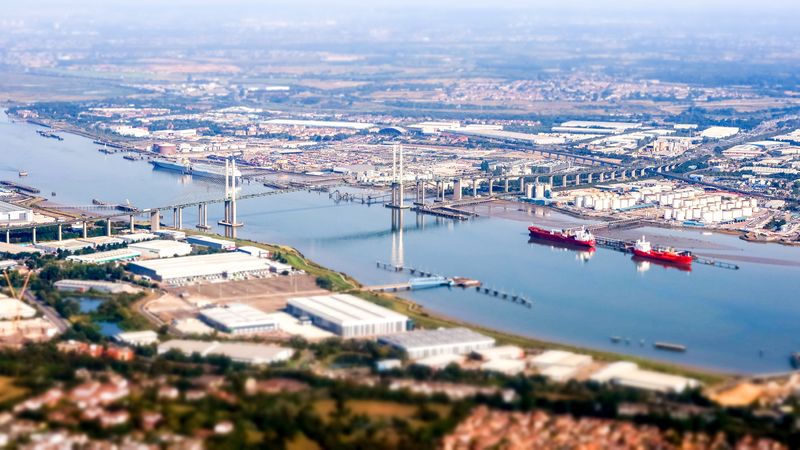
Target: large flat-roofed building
{"points": [[161, 248], [192, 269], [118, 255], [94, 285], [237, 351], [212, 242], [237, 318], [16, 249], [443, 341], [66, 245], [11, 214], [347, 316]]}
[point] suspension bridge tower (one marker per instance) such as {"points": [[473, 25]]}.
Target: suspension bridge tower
{"points": [[229, 221]]}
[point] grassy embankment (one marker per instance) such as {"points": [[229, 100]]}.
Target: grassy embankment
{"points": [[345, 283]]}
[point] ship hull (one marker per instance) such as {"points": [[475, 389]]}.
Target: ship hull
{"points": [[665, 257], [546, 235], [169, 165]]}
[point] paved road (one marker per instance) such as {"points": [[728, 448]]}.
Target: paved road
{"points": [[50, 313]]}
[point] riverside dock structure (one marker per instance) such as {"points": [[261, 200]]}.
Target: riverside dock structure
{"points": [[627, 246], [454, 281]]}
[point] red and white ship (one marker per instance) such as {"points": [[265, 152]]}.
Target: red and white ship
{"points": [[643, 249], [579, 237]]}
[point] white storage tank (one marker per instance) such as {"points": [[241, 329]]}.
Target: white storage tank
{"points": [[680, 215], [667, 214], [747, 212]]}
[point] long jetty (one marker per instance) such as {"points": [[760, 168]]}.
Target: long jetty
{"points": [[626, 247], [492, 292]]}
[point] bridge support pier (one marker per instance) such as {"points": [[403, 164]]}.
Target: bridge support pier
{"points": [[564, 180], [457, 189], [491, 183], [131, 224], [155, 220], [602, 177], [85, 230], [202, 216], [505, 185], [108, 227], [522, 185], [589, 178], [577, 179], [60, 229], [444, 187], [8, 236], [474, 188], [33, 235]]}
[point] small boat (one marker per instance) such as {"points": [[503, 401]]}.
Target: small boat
{"points": [[22, 173], [670, 346]]}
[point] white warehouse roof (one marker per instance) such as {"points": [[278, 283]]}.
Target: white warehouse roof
{"points": [[238, 315], [202, 265], [345, 309], [419, 339], [237, 351]]}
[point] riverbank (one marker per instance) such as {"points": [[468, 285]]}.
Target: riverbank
{"points": [[342, 282]]}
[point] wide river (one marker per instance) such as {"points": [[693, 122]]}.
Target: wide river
{"points": [[731, 320]]}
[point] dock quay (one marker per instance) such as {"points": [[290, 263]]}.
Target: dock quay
{"points": [[626, 247], [442, 212], [21, 187], [453, 281]]}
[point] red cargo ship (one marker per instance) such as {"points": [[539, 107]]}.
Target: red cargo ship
{"points": [[579, 237], [643, 249]]}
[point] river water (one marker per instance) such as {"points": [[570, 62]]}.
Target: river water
{"points": [[731, 320]]}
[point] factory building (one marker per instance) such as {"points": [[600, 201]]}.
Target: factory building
{"points": [[207, 241], [237, 318], [137, 237], [443, 341], [82, 286], [347, 315], [137, 338], [161, 248], [628, 374], [11, 214], [66, 245], [237, 351], [192, 269], [118, 255]]}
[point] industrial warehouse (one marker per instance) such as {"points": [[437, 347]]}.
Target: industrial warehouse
{"points": [[161, 248], [237, 351], [13, 214], [237, 318], [444, 341], [347, 316], [192, 269], [118, 255]]}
